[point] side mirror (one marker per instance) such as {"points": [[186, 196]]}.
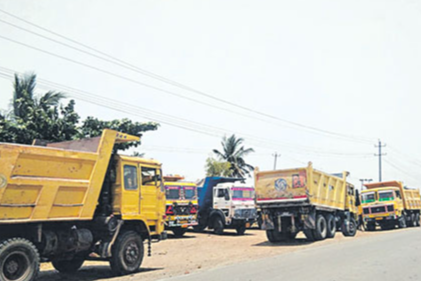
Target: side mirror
{"points": [[227, 197]]}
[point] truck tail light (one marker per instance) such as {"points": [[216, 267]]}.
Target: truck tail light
{"points": [[193, 209], [170, 210]]}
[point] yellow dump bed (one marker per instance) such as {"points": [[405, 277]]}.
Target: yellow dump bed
{"points": [[300, 185], [59, 182], [411, 197]]}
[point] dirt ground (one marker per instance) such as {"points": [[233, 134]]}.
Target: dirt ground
{"points": [[193, 252]]}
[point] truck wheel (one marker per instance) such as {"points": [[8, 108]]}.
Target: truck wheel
{"points": [[218, 226], [127, 253], [274, 236], [417, 219], [412, 222], [19, 260], [179, 232], [241, 229], [68, 266], [331, 226], [402, 222], [321, 228], [309, 233], [349, 228]]}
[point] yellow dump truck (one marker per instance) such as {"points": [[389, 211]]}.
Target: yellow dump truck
{"points": [[74, 201], [182, 206], [390, 204], [304, 199]]}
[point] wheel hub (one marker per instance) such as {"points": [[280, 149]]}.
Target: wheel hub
{"points": [[12, 267], [132, 253]]}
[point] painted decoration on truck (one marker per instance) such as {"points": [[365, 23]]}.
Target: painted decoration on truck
{"points": [[281, 184], [299, 180]]}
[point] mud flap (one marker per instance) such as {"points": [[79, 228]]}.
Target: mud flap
{"points": [[310, 221], [267, 223]]}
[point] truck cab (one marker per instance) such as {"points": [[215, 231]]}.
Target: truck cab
{"points": [[181, 204], [389, 204], [226, 203]]}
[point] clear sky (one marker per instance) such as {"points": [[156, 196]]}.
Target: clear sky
{"points": [[348, 67]]}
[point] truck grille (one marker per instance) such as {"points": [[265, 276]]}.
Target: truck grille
{"points": [[182, 210], [375, 210], [366, 210]]}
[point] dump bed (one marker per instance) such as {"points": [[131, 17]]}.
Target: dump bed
{"points": [[411, 197], [59, 182], [300, 186]]}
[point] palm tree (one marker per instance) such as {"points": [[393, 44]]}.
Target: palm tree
{"points": [[25, 105], [234, 153], [38, 117]]}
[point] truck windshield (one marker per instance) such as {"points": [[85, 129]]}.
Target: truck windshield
{"points": [[172, 192], [386, 196], [241, 193], [189, 192], [368, 197]]}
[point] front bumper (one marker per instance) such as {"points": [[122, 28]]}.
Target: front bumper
{"points": [[181, 221], [386, 217]]}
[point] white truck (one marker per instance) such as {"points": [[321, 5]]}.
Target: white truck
{"points": [[226, 203]]}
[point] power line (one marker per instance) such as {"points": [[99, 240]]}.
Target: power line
{"points": [[163, 79], [168, 119]]}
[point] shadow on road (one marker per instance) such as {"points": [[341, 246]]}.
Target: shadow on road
{"points": [[229, 232], [171, 236], [295, 242], [87, 273]]}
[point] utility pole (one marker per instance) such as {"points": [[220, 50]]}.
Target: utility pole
{"points": [[276, 155], [380, 158], [363, 181]]}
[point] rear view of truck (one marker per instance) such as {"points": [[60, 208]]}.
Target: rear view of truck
{"points": [[390, 204], [73, 201], [304, 199]]}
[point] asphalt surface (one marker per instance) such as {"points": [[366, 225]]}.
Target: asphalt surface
{"points": [[393, 255]]}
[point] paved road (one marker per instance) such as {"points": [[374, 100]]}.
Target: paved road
{"points": [[391, 256]]}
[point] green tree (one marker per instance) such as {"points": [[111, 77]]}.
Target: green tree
{"points": [[43, 117], [92, 127], [37, 117], [215, 168], [234, 152]]}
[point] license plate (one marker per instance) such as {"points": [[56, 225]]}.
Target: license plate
{"points": [[183, 222], [379, 219], [247, 224]]}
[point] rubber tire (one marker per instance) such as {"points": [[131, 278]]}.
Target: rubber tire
{"points": [[351, 230], [371, 227], [331, 226], [309, 233], [402, 222], [417, 219], [119, 265], [274, 236], [241, 229], [412, 223], [321, 228], [27, 250], [68, 266], [218, 226], [179, 232]]}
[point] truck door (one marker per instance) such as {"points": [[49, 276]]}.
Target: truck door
{"points": [[222, 200], [150, 194], [398, 200], [130, 196]]}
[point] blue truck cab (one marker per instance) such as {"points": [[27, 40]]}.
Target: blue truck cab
{"points": [[226, 203]]}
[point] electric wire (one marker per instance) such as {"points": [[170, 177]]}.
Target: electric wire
{"points": [[161, 78]]}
